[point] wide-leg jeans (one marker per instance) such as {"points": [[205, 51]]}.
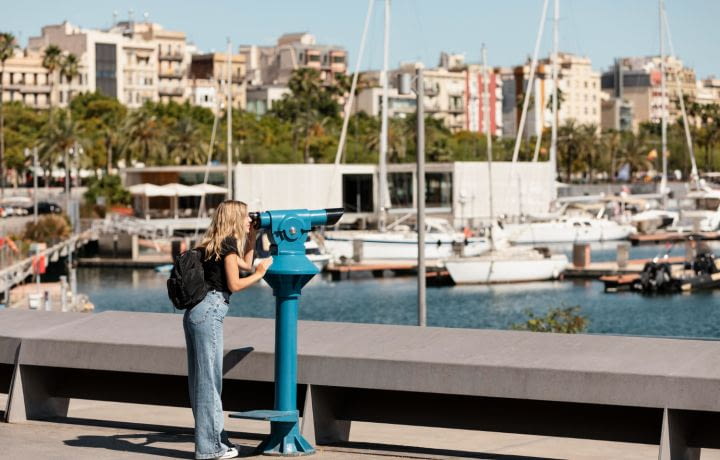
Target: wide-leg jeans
{"points": [[203, 325]]}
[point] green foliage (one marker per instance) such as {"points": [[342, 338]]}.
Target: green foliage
{"points": [[565, 320], [305, 126], [48, 229], [108, 187]]}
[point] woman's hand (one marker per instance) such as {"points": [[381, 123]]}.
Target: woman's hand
{"points": [[262, 267]]}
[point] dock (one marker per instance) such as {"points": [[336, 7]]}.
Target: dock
{"points": [[599, 269], [378, 268], [144, 261], [671, 237]]}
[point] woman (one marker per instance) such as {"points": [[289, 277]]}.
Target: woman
{"points": [[227, 249]]}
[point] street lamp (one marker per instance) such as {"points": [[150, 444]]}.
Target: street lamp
{"points": [[405, 87], [35, 180]]}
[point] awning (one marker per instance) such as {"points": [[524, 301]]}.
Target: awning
{"points": [[148, 190], [208, 189], [176, 189]]}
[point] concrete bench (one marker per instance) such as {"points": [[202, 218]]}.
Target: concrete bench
{"points": [[625, 389]]}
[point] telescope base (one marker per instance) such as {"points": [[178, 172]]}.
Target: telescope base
{"points": [[285, 440]]}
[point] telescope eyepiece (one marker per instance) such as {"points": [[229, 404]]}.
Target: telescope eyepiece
{"points": [[254, 219]]}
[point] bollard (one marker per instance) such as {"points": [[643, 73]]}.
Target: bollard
{"points": [[175, 248], [581, 255], [357, 254], [623, 254], [289, 272]]}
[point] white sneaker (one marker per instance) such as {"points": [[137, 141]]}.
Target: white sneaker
{"points": [[232, 452]]}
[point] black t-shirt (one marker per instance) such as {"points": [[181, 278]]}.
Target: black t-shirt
{"points": [[215, 278]]}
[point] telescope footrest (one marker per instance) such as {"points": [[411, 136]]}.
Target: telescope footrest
{"points": [[268, 415]]}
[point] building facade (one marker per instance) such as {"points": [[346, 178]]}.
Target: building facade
{"points": [[638, 81], [209, 79], [274, 65], [26, 80], [579, 95]]}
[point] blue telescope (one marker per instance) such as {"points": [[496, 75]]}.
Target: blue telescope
{"points": [[289, 272]]}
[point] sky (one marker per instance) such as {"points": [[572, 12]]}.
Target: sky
{"points": [[420, 29]]}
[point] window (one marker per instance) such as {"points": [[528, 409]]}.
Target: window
{"points": [[401, 189], [358, 192], [313, 58], [338, 59], [438, 189]]}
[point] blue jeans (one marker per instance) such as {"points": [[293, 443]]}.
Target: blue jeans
{"points": [[203, 325]]}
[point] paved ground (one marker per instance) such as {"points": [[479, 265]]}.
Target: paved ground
{"points": [[129, 431]]}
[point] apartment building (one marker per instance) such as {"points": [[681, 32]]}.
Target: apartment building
{"points": [[209, 78], [579, 98], [133, 62], [708, 91], [26, 80], [638, 79], [274, 65], [173, 56]]}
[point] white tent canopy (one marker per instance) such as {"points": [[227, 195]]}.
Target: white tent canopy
{"points": [[208, 189], [176, 189], [147, 190]]}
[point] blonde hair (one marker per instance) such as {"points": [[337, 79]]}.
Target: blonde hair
{"points": [[227, 222]]}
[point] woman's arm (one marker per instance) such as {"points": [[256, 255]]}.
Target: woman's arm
{"points": [[232, 273], [246, 262]]}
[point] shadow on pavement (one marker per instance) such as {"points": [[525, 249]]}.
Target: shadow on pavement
{"points": [[143, 442], [421, 452]]}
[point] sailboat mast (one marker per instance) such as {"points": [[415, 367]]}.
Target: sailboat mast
{"points": [[383, 195], [228, 74], [553, 135], [488, 136], [663, 119]]}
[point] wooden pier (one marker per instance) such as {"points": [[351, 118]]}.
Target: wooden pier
{"points": [[378, 268], [600, 269], [671, 237]]}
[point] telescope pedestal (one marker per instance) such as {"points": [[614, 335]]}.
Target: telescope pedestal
{"points": [[285, 438]]}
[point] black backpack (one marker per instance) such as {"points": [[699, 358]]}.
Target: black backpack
{"points": [[186, 285]]}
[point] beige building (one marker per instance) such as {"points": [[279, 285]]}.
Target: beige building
{"points": [[133, 62], [638, 81], [579, 94], [274, 65], [208, 80], [708, 91], [173, 56], [26, 80]]}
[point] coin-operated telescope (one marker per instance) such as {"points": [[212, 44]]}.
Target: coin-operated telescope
{"points": [[289, 272]]}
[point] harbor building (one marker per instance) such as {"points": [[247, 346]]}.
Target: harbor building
{"points": [[457, 191], [708, 91]]}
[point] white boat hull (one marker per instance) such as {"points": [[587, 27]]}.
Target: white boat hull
{"points": [[487, 270], [400, 248], [566, 232]]}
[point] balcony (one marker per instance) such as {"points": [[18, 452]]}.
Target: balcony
{"points": [[167, 91], [28, 89], [171, 74], [165, 56]]}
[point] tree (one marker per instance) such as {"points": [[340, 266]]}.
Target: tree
{"points": [[69, 69], [564, 320], [185, 145], [60, 135], [100, 116], [7, 49], [52, 60], [144, 137]]}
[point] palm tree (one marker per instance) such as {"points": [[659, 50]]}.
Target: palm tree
{"points": [[59, 136], [144, 134], [185, 145], [52, 59], [7, 48], [69, 69]]}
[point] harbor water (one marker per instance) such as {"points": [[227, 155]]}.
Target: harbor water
{"points": [[392, 300]]}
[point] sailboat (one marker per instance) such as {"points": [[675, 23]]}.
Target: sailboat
{"points": [[503, 263], [563, 229], [395, 242]]}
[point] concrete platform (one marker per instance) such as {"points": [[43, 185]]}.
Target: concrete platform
{"points": [[95, 430]]}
